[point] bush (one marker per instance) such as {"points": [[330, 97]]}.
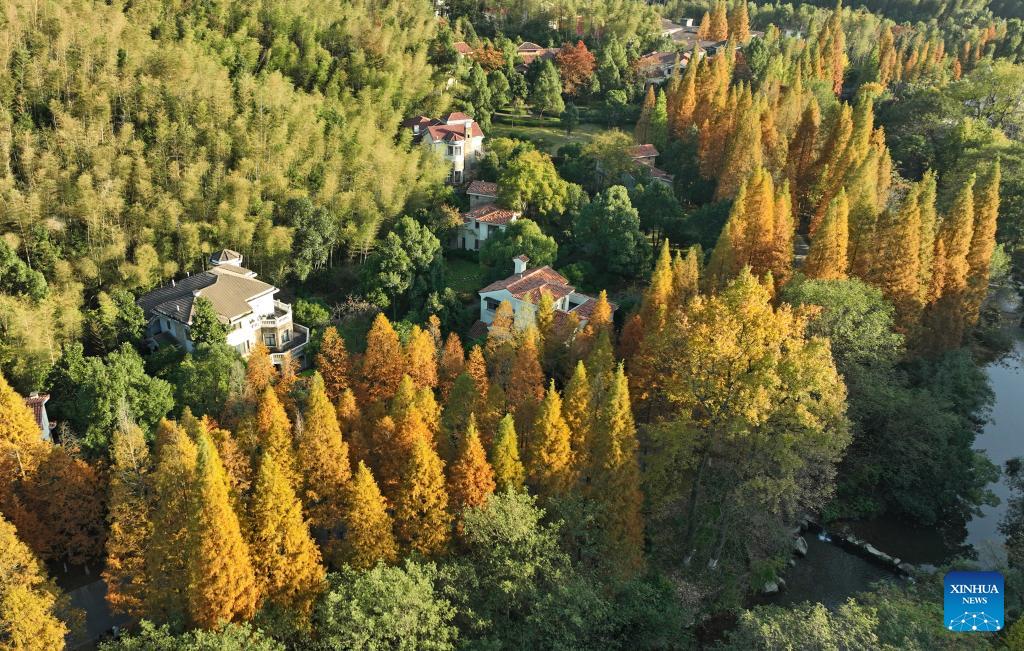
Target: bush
{"points": [[312, 313]]}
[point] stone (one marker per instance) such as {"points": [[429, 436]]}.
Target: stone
{"points": [[800, 546], [770, 588]]}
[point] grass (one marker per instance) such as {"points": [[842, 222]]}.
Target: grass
{"points": [[546, 133], [464, 276]]}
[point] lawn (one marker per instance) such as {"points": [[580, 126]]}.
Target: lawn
{"points": [[464, 276], [546, 133]]}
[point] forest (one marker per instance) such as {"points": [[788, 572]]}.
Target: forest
{"points": [[794, 308]]}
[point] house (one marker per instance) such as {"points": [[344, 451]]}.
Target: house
{"points": [[658, 67], [463, 49], [529, 52], [523, 290], [456, 137], [645, 155], [481, 192], [480, 223], [37, 403], [246, 306]]}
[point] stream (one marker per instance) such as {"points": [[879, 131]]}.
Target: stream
{"points": [[830, 574]]}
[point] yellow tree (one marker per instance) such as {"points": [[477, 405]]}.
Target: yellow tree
{"points": [[286, 379], [422, 520], [286, 561], [831, 165], [983, 241], [259, 371], [421, 358], [525, 385], [333, 363], [167, 555], [274, 435], [549, 449], [369, 538], [739, 22], [323, 459], [642, 132], [28, 600], [681, 110], [946, 317], [780, 258], [826, 259], [615, 478], [476, 367], [221, 582], [471, 478], [128, 517], [500, 346], [743, 151], [578, 411], [686, 275], [382, 365], [509, 474], [453, 361], [658, 294], [927, 189], [350, 419], [894, 258], [802, 168], [719, 25]]}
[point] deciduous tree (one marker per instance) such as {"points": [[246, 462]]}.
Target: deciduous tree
{"points": [[422, 520], [369, 538]]}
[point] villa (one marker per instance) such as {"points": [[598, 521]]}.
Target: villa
{"points": [[456, 137], [523, 290]]}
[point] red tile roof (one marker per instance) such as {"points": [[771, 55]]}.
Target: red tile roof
{"points": [[35, 402], [643, 151], [462, 47], [491, 214], [529, 56], [455, 117], [532, 281], [528, 46], [483, 189], [453, 132]]}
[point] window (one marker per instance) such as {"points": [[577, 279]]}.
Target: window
{"points": [[454, 150], [492, 304], [457, 176], [286, 336], [270, 339], [476, 245]]}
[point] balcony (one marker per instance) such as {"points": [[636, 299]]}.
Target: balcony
{"points": [[282, 316], [295, 347]]}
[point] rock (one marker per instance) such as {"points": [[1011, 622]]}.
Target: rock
{"points": [[800, 546], [782, 583], [770, 588], [878, 554], [792, 563], [906, 567], [928, 568]]}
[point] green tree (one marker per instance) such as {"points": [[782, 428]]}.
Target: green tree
{"points": [[315, 233], [546, 94], [531, 183], [207, 378], [205, 327], [522, 237], [232, 637], [570, 118], [607, 233]]}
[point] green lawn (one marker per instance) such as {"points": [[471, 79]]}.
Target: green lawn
{"points": [[546, 133], [464, 276]]}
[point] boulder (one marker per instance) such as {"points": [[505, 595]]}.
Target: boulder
{"points": [[770, 588], [800, 546]]}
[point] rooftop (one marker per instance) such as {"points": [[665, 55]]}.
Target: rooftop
{"points": [[529, 284], [228, 288], [483, 189], [643, 151], [491, 214]]}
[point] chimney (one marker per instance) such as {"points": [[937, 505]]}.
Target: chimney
{"points": [[415, 129], [689, 22], [519, 264]]}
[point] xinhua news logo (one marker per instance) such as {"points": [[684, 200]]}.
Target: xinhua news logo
{"points": [[974, 602]]}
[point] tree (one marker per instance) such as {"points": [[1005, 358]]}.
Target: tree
{"points": [[208, 379], [273, 434], [659, 122], [404, 257], [128, 518], [332, 361], [421, 359], [578, 411], [607, 232], [642, 133], [205, 327], [531, 183], [115, 319], [509, 474], [323, 457], [718, 29], [222, 586], [576, 65], [422, 521], [167, 555], [525, 382], [851, 626], [739, 22], [826, 259], [546, 94], [471, 479], [29, 602], [285, 559], [521, 237], [451, 365], [232, 637], [387, 608], [18, 278], [548, 449], [259, 371], [382, 365], [368, 528], [983, 241], [570, 118], [315, 233]]}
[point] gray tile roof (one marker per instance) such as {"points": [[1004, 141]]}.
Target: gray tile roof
{"points": [[229, 290]]}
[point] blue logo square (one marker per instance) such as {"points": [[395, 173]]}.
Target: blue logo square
{"points": [[974, 602]]}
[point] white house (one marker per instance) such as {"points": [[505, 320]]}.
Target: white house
{"points": [[37, 403], [523, 290], [480, 223], [456, 137], [246, 306]]}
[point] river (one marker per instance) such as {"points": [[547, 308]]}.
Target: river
{"points": [[830, 574]]}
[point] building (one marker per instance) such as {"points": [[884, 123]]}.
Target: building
{"points": [[524, 288], [37, 403], [456, 137], [480, 223], [246, 306], [481, 192], [645, 155], [529, 52], [463, 49]]}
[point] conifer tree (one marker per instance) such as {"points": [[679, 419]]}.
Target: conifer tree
{"points": [[802, 160], [658, 294], [286, 380], [578, 412], [781, 257], [259, 371], [957, 233], [615, 477], [323, 459], [476, 368], [471, 478], [128, 517], [421, 358], [422, 520], [895, 265], [832, 165], [167, 555], [659, 122], [983, 241], [494, 408], [274, 432], [501, 343], [453, 362], [383, 363], [743, 151], [369, 538], [509, 474], [333, 363], [286, 561], [642, 133], [394, 440], [350, 420], [739, 22], [686, 275], [826, 259], [28, 600], [21, 451], [704, 30], [946, 317], [221, 583], [526, 381], [719, 25], [548, 449], [681, 109], [456, 415], [929, 228]]}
